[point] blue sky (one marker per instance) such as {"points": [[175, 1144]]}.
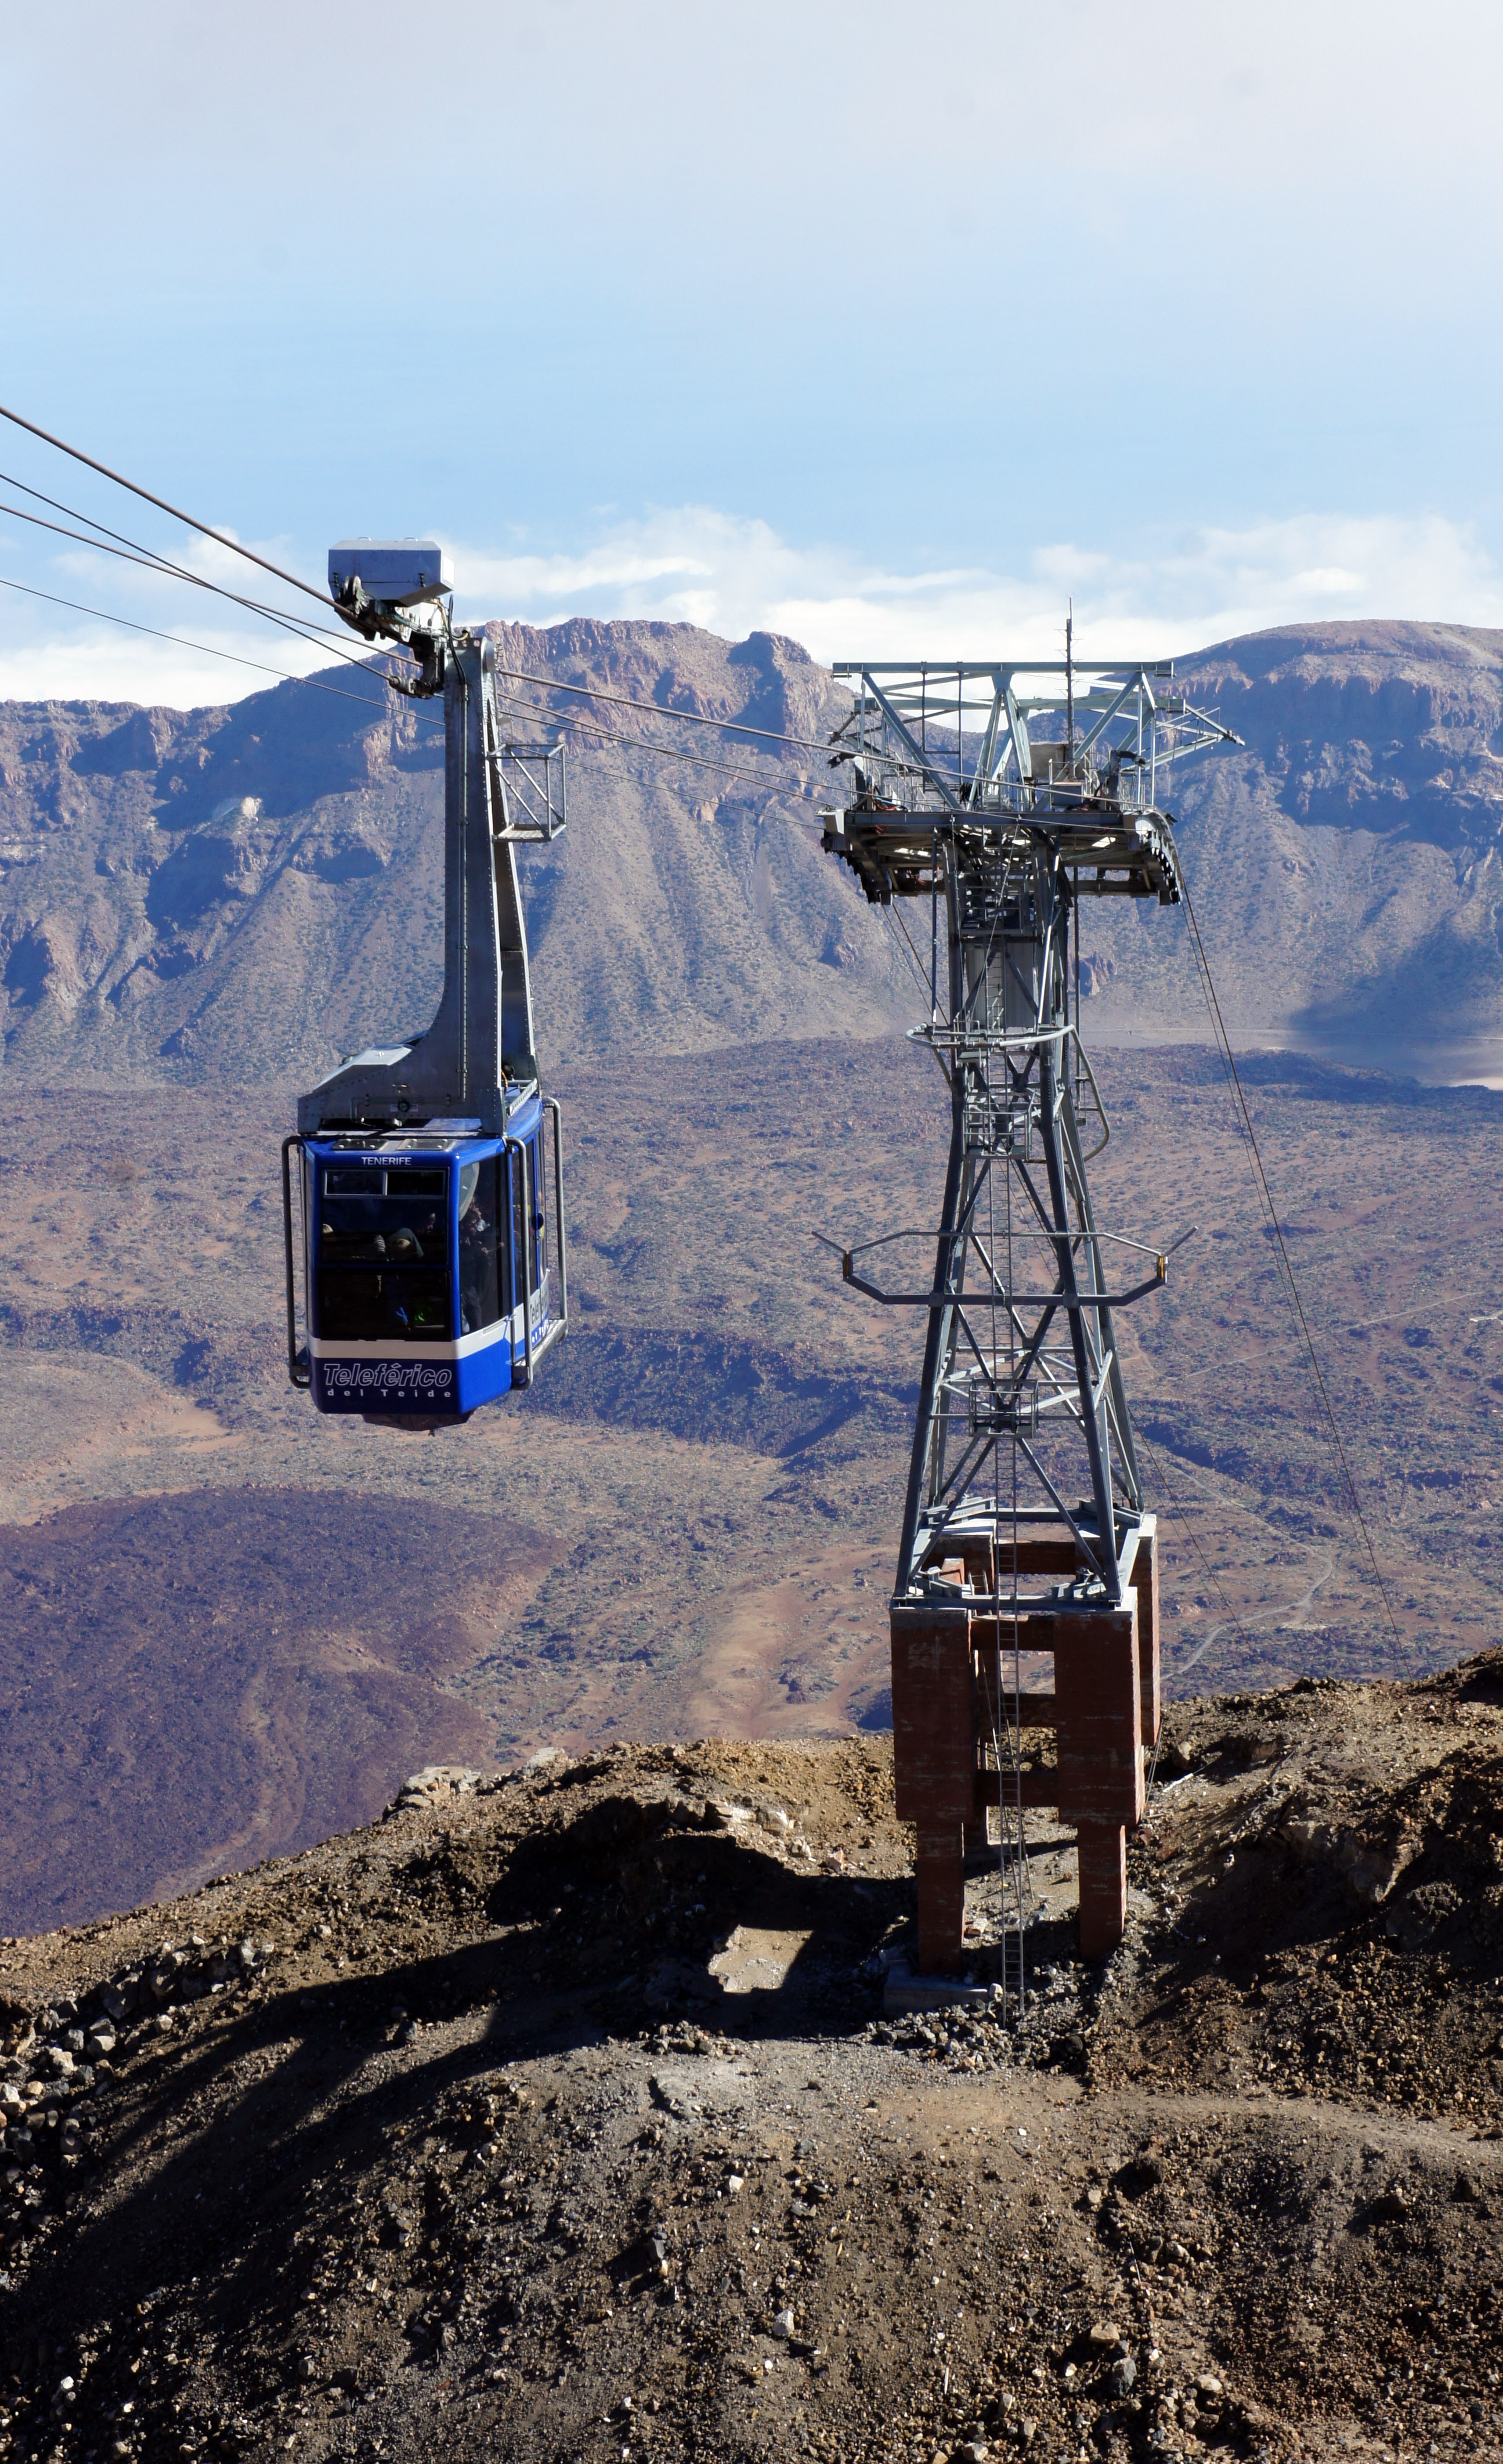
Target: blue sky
{"points": [[888, 327]]}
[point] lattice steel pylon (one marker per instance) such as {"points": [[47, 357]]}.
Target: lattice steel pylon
{"points": [[961, 799]]}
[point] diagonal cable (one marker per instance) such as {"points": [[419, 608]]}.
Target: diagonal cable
{"points": [[1292, 1287]]}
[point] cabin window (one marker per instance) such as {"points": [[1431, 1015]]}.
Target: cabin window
{"points": [[384, 1255], [382, 1218], [521, 1246], [389, 1305], [540, 1228], [482, 1232]]}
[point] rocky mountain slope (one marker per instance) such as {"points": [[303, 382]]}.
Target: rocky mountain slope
{"points": [[1346, 865], [556, 2115], [246, 893]]}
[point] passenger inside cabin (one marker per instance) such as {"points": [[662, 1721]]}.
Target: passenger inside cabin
{"points": [[477, 1269], [413, 1240]]}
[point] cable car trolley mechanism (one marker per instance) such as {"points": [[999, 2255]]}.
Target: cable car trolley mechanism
{"points": [[429, 1200]]}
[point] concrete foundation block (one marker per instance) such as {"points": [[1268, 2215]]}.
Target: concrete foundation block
{"points": [[1101, 1855]]}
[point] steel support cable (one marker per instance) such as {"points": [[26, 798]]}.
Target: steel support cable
{"points": [[39, 498], [1229, 1060], [166, 571], [284, 675], [1207, 1569], [898, 940], [1206, 1565], [181, 642], [222, 539], [915, 962], [128, 553], [603, 765], [162, 506], [900, 943], [131, 551], [730, 726], [272, 615], [656, 710], [1240, 1114], [642, 743]]}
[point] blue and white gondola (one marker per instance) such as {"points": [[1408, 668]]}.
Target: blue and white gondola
{"points": [[432, 1280], [428, 1265]]}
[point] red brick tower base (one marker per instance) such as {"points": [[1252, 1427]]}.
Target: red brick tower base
{"points": [[1104, 1712]]}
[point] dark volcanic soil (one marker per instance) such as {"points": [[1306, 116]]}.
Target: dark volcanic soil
{"points": [[556, 2116], [230, 1674]]}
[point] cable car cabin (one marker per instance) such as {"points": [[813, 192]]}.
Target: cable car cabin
{"points": [[429, 1282]]}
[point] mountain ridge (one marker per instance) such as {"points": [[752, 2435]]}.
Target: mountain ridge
{"points": [[253, 890], [258, 887]]}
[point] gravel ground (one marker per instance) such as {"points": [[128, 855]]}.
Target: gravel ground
{"points": [[557, 2116]]}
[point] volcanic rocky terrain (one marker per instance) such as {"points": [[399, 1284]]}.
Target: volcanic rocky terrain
{"points": [[556, 2115]]}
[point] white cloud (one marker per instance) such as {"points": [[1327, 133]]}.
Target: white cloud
{"points": [[99, 664], [169, 642], [695, 565]]}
